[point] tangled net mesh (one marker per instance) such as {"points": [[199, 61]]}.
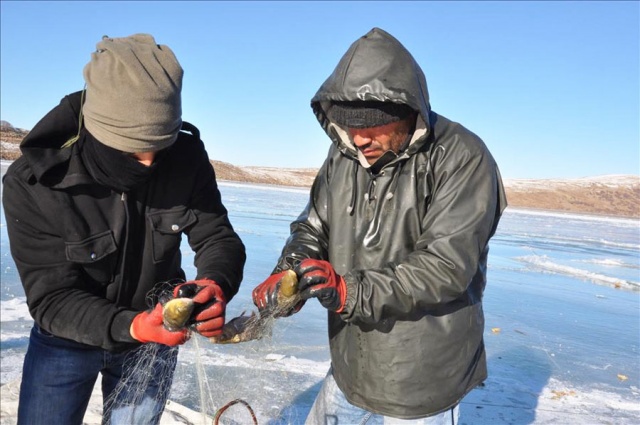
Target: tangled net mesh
{"points": [[247, 383]]}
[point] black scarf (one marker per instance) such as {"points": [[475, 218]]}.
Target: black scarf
{"points": [[111, 167]]}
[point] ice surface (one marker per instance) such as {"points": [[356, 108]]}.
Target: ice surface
{"points": [[562, 329]]}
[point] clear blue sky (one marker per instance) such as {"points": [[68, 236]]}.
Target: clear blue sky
{"points": [[553, 88]]}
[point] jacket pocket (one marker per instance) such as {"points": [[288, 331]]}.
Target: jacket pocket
{"points": [[94, 254], [166, 231]]}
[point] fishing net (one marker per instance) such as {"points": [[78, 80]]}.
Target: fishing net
{"points": [[259, 381]]}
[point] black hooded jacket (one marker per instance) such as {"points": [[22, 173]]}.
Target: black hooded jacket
{"points": [[89, 256], [409, 235]]}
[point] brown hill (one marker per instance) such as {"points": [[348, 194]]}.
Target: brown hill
{"points": [[613, 195], [10, 138], [603, 195], [302, 177]]}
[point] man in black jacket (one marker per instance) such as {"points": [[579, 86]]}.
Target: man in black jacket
{"points": [[108, 182], [394, 244]]}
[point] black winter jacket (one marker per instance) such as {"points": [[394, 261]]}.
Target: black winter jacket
{"points": [[410, 237], [69, 235]]}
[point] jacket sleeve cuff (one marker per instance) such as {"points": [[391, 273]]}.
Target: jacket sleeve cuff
{"points": [[226, 288], [121, 325], [351, 285]]}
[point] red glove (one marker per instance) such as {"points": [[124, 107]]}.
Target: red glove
{"points": [[265, 296], [210, 305], [318, 279], [148, 327]]}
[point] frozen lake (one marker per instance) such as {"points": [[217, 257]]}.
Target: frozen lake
{"points": [[562, 330]]}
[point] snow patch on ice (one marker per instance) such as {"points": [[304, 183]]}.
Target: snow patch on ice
{"points": [[14, 309], [544, 264]]}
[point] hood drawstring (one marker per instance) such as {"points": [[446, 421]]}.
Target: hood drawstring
{"points": [[372, 181], [396, 176], [395, 181], [370, 185], [75, 138]]}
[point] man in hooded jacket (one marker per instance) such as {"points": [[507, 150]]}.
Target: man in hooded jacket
{"points": [[108, 182], [394, 243]]}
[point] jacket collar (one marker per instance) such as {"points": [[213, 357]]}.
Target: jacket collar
{"points": [[347, 147]]}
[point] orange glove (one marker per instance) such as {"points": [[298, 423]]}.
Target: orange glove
{"points": [[265, 296], [148, 327], [210, 305], [318, 279]]}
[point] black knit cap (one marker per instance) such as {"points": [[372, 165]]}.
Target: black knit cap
{"points": [[367, 114]]}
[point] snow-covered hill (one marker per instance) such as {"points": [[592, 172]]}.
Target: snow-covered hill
{"points": [[616, 195]]}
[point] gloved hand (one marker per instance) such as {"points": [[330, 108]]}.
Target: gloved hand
{"points": [[210, 305], [265, 296], [317, 278], [148, 327]]}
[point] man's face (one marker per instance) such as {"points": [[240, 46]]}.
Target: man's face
{"points": [[373, 142], [144, 158]]}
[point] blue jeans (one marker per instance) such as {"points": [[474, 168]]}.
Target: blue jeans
{"points": [[59, 375], [332, 408]]}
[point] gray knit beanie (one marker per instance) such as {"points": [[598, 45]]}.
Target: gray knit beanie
{"points": [[133, 87], [367, 114]]}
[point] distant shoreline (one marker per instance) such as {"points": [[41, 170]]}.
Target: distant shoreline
{"points": [[605, 196], [511, 209]]}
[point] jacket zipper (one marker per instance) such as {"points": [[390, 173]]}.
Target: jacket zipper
{"points": [[123, 255]]}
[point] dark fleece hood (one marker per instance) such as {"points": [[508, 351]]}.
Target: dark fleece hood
{"points": [[42, 147]]}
